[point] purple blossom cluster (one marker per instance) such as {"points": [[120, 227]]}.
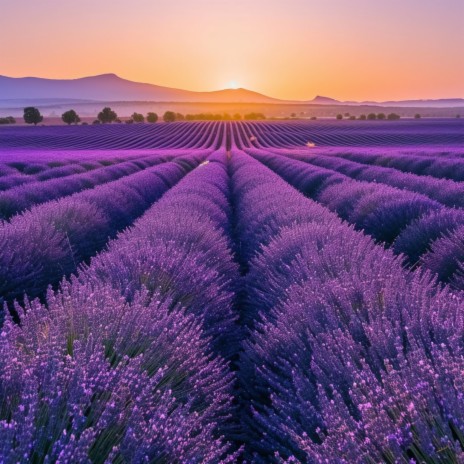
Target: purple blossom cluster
{"points": [[92, 378]]}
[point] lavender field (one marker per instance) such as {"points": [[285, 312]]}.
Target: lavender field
{"points": [[221, 292]]}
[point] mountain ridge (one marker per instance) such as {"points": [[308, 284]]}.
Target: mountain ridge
{"points": [[110, 87]]}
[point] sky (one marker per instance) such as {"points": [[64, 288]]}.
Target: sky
{"points": [[289, 49]]}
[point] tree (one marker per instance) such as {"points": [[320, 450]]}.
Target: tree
{"points": [[32, 116], [381, 116], [371, 116], [97, 121], [362, 117], [169, 116], [237, 116], [107, 115], [458, 116], [417, 116], [339, 116], [70, 117], [137, 117], [293, 115], [393, 117], [352, 118], [179, 117], [313, 118], [152, 118]]}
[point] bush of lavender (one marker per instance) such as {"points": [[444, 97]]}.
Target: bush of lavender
{"points": [[92, 378], [333, 369]]}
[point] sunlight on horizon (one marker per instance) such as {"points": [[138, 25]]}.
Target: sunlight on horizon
{"points": [[232, 85], [358, 50]]}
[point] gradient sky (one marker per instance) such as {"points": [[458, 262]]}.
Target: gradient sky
{"points": [[295, 49]]}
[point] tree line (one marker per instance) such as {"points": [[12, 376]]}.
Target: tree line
{"points": [[107, 116], [371, 116]]}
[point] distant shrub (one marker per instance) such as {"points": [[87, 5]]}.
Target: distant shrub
{"points": [[180, 117], [381, 116], [254, 116], [32, 115], [458, 116], [237, 116], [137, 117], [107, 115], [293, 115], [152, 117], [70, 117], [362, 117], [85, 124], [352, 118], [118, 121], [347, 115], [129, 121], [313, 118], [169, 116], [371, 116], [393, 117], [417, 116], [97, 121], [339, 116], [8, 120]]}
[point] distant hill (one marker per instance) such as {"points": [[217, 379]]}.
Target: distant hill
{"points": [[17, 92], [109, 87], [438, 103]]}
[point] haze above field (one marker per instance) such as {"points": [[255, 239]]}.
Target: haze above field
{"points": [[290, 50], [112, 88]]}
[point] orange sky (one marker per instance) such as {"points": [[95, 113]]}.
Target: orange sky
{"points": [[293, 49]]}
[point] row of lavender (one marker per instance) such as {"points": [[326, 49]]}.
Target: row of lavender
{"points": [[20, 167], [350, 358], [431, 134], [428, 232], [115, 137], [325, 350], [128, 361], [22, 197], [50, 240], [132, 367]]}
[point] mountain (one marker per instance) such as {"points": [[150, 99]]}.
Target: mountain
{"points": [[438, 103], [110, 87], [23, 91], [318, 100]]}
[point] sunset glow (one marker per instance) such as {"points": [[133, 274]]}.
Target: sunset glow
{"points": [[293, 49]]}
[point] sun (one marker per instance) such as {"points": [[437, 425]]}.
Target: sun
{"points": [[232, 85]]}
